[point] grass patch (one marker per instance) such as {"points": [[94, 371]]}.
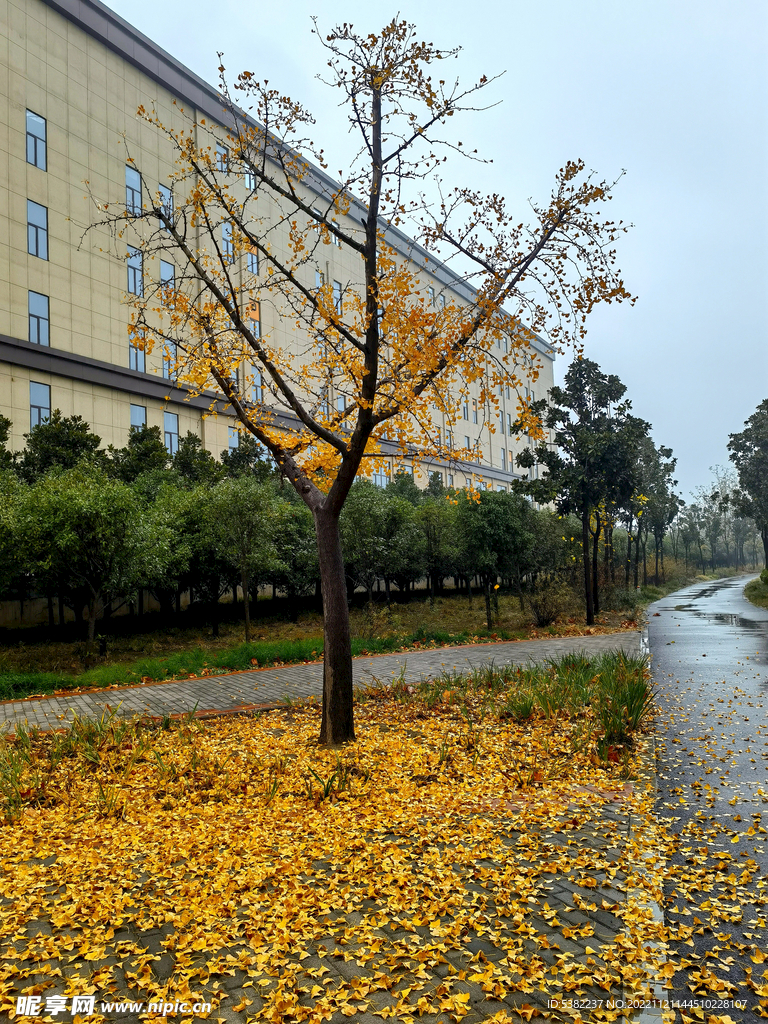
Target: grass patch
{"points": [[756, 591]]}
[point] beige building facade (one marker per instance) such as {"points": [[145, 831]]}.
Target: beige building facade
{"points": [[73, 76]]}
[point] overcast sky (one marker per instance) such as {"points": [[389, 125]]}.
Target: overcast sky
{"points": [[671, 91]]}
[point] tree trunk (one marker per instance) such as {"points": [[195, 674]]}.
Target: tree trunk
{"points": [[764, 535], [246, 603], [595, 561], [587, 575], [656, 572], [61, 610], [337, 724], [92, 607], [637, 558], [388, 592], [50, 611], [488, 612], [140, 610]]}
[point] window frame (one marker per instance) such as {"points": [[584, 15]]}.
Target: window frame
{"points": [[37, 319], [36, 421], [135, 268], [138, 426], [133, 189], [38, 232], [338, 297], [136, 355], [42, 140], [166, 202], [172, 418]]}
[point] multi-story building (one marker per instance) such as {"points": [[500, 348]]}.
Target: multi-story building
{"points": [[74, 74]]}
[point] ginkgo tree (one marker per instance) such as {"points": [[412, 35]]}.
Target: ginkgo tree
{"points": [[243, 223]]}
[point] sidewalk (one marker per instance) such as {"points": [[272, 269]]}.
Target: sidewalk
{"points": [[292, 682]]}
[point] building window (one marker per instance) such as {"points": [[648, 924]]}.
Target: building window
{"points": [[380, 478], [171, 432], [337, 296], [467, 481], [37, 230], [37, 145], [465, 409], [137, 357], [441, 301], [467, 443], [132, 190], [39, 323], [450, 479], [500, 487], [253, 262], [431, 295], [334, 238], [227, 248], [503, 458], [341, 403], [257, 391], [474, 410], [222, 158], [135, 271], [234, 438], [138, 416], [250, 180], [166, 202], [167, 275], [39, 404], [509, 424], [319, 279], [256, 319], [170, 362]]}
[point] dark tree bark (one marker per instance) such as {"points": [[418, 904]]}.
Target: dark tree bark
{"points": [[246, 604], [337, 724], [595, 560], [588, 596], [488, 612]]}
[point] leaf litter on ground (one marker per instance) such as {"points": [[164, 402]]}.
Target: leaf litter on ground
{"points": [[408, 874]]}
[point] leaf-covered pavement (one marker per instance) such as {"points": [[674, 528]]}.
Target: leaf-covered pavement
{"points": [[443, 867]]}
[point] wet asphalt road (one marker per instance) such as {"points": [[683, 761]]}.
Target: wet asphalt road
{"points": [[709, 650]]}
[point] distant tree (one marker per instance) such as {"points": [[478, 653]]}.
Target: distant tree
{"points": [[10, 563], [297, 573], [61, 441], [435, 487], [494, 538], [6, 457], [246, 517], [194, 463], [406, 487], [91, 533], [592, 461], [145, 452], [749, 453], [662, 503], [248, 457], [362, 526], [437, 518]]}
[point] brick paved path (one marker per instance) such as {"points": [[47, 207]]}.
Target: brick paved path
{"points": [[241, 689]]}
